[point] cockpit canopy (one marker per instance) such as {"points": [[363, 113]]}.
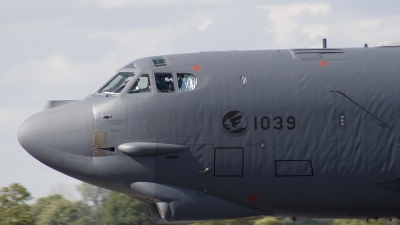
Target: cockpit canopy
{"points": [[163, 82]]}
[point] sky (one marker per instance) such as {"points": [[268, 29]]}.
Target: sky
{"points": [[66, 49]]}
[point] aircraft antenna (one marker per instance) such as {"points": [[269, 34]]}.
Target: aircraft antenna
{"points": [[324, 43]]}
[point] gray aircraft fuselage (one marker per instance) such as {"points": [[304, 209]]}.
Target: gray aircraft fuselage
{"points": [[300, 132]]}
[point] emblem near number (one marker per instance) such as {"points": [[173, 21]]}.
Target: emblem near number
{"points": [[234, 124]]}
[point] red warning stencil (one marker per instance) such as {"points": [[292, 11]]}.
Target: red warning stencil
{"points": [[253, 198], [196, 68], [323, 63]]}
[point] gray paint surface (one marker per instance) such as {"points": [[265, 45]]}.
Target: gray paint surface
{"points": [[312, 133]]}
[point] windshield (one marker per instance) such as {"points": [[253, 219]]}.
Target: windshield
{"points": [[118, 83]]}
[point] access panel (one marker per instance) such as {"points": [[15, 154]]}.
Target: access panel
{"points": [[284, 168], [228, 162], [99, 141]]}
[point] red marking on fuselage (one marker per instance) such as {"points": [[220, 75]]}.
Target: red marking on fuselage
{"points": [[171, 59], [253, 198], [196, 68], [323, 63]]}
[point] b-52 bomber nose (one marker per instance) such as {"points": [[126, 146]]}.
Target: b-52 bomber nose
{"points": [[59, 133]]}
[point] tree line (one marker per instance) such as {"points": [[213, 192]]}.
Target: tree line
{"points": [[102, 207], [98, 206]]}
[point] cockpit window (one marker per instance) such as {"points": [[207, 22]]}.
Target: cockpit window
{"points": [[142, 84], [159, 61], [118, 83], [164, 82], [186, 82]]}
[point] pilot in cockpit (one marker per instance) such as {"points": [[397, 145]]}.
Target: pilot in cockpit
{"points": [[135, 87], [164, 83], [142, 84]]}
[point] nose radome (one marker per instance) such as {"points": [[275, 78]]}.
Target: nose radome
{"points": [[24, 134], [64, 130]]}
